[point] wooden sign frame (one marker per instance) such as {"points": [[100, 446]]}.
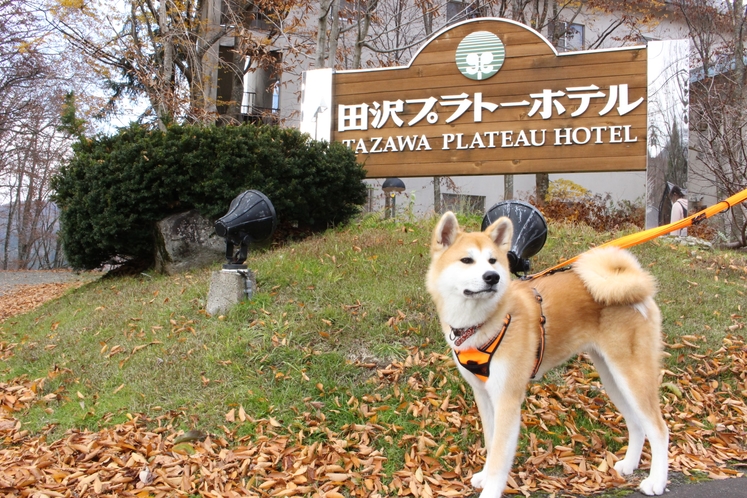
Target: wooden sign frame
{"points": [[529, 110]]}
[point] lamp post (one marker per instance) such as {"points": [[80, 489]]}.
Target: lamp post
{"points": [[250, 218], [391, 187], [319, 110]]}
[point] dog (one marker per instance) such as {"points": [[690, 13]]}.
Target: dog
{"points": [[505, 332]]}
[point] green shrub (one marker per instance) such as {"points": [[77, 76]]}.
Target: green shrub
{"points": [[115, 188]]}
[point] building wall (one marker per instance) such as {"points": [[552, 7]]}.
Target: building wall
{"points": [[419, 191]]}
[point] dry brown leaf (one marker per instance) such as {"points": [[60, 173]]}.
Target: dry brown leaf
{"points": [[707, 428]]}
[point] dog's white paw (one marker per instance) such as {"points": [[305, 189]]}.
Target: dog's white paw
{"points": [[625, 468], [491, 491], [478, 480], [651, 486]]}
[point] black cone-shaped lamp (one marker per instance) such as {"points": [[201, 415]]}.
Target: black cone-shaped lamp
{"points": [[250, 218], [530, 231]]}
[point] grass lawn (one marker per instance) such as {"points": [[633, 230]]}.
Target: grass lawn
{"points": [[340, 349]]}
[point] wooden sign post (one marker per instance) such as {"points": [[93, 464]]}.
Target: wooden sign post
{"points": [[491, 96]]}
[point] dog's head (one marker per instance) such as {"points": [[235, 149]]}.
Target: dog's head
{"points": [[468, 273]]}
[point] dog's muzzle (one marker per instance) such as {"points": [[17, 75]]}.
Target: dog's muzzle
{"points": [[491, 279]]}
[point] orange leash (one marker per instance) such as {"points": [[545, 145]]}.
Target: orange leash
{"points": [[646, 235]]}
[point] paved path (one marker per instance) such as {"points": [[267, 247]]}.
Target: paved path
{"points": [[727, 488], [12, 279]]}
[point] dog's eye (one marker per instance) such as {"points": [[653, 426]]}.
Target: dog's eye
{"points": [[492, 261], [467, 261]]}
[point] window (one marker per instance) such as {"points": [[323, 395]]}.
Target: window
{"points": [[228, 91], [250, 15], [462, 203], [261, 99], [457, 11], [571, 36]]}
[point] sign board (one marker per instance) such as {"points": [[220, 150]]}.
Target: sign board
{"points": [[492, 97]]}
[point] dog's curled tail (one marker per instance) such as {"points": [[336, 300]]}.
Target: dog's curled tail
{"points": [[613, 276]]}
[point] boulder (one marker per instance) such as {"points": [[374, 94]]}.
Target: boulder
{"points": [[185, 241]]}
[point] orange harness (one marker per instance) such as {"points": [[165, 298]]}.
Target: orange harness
{"points": [[477, 360]]}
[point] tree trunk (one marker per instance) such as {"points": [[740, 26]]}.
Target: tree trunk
{"points": [[163, 110], [8, 232], [20, 232], [740, 223], [321, 34], [26, 177], [428, 25], [364, 24], [739, 67], [437, 194], [542, 185], [542, 180], [334, 34], [204, 64], [59, 259]]}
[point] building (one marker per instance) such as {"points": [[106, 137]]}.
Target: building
{"points": [[392, 35]]}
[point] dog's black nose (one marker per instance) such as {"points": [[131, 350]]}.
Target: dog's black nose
{"points": [[491, 277]]}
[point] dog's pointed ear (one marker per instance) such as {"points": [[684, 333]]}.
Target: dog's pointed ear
{"points": [[446, 232], [501, 231]]}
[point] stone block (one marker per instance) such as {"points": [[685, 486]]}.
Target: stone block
{"points": [[227, 289]]}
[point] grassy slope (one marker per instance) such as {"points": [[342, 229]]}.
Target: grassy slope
{"points": [[329, 312]]}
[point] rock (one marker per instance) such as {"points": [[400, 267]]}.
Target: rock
{"points": [[186, 241], [689, 240]]}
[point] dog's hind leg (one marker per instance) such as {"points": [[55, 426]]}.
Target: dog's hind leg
{"points": [[633, 387], [636, 434]]}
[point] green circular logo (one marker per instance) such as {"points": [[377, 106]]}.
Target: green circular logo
{"points": [[480, 55]]}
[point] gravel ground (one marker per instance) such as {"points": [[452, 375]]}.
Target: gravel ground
{"points": [[10, 280]]}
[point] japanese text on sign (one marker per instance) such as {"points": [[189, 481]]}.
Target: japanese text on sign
{"points": [[546, 104]]}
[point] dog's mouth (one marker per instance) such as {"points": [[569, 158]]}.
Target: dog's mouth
{"points": [[487, 290]]}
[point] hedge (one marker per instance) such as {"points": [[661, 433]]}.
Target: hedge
{"points": [[115, 188]]}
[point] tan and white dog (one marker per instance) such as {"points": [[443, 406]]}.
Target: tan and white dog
{"points": [[504, 333]]}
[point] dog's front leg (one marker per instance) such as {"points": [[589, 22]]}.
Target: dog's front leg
{"points": [[486, 410], [505, 398]]}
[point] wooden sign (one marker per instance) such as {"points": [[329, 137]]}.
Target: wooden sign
{"points": [[492, 96]]}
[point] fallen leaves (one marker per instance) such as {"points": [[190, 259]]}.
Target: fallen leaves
{"points": [[18, 395], [24, 298], [231, 415], [703, 405]]}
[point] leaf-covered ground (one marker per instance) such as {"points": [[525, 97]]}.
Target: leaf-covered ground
{"points": [[24, 298], [335, 382], [148, 458]]}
